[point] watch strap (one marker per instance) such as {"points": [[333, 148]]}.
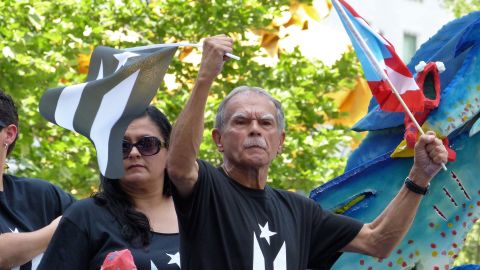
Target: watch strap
{"points": [[416, 188]]}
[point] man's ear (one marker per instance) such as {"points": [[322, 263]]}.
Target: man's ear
{"points": [[217, 138], [280, 145], [10, 134]]}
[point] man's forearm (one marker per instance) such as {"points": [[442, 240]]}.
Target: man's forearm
{"points": [[395, 221], [19, 248], [380, 237], [188, 130]]}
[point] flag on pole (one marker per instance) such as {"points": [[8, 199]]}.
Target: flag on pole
{"points": [[120, 85], [390, 64]]}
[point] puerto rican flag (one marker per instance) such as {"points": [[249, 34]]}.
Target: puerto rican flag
{"points": [[388, 60], [120, 85]]}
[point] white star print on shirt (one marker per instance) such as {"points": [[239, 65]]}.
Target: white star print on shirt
{"points": [[153, 266], [174, 258], [266, 233]]}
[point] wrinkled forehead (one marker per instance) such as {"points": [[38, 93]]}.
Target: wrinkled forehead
{"points": [[250, 105]]}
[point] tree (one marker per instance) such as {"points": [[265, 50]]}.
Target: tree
{"points": [[43, 47], [462, 7]]}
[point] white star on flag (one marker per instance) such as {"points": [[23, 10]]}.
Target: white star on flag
{"points": [[14, 231], [123, 57], [174, 258], [266, 233]]}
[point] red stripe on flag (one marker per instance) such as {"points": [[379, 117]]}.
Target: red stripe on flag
{"points": [[388, 102]]}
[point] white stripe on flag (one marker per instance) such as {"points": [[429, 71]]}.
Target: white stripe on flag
{"points": [[67, 105], [100, 70], [111, 109], [402, 83]]}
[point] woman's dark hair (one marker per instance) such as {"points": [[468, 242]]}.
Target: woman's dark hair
{"points": [[135, 225], [8, 115]]}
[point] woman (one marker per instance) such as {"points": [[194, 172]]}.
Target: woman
{"points": [[134, 214], [29, 208]]}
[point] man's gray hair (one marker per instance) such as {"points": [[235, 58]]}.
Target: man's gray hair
{"points": [[220, 117]]}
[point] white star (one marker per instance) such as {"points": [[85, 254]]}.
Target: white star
{"points": [[123, 57], [14, 231], [174, 258], [266, 233]]}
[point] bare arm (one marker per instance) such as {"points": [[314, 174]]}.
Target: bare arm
{"points": [[380, 237], [188, 130], [19, 248]]}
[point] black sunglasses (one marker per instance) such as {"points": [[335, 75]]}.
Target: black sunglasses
{"points": [[147, 146], [2, 124]]}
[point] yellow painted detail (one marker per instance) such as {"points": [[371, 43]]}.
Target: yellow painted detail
{"points": [[349, 205], [402, 151]]}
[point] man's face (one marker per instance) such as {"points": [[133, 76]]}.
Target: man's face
{"points": [[250, 136]]}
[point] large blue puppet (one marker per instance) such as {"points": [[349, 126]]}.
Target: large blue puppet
{"points": [[373, 177]]}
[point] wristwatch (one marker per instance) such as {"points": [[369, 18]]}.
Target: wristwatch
{"points": [[416, 188]]}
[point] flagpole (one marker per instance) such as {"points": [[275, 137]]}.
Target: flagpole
{"points": [[155, 46], [377, 66]]}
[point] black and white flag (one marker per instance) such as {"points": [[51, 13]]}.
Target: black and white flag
{"points": [[120, 86]]}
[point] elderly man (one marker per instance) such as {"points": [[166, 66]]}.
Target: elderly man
{"points": [[230, 219]]}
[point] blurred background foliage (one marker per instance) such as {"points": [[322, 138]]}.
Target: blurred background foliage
{"points": [[45, 44], [43, 47]]}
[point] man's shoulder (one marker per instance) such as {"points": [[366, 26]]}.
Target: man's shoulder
{"points": [[292, 197], [28, 183], [208, 171], [37, 186], [203, 164]]}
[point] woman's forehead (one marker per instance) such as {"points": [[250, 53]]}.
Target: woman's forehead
{"points": [[141, 127]]}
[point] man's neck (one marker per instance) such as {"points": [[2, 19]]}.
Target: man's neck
{"points": [[255, 178]]}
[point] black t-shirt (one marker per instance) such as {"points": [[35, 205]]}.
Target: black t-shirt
{"points": [[224, 225], [27, 205], [88, 232]]}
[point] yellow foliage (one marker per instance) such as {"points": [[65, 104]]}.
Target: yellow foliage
{"points": [[299, 15], [354, 102], [83, 61]]}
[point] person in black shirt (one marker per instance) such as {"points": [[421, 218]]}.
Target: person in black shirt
{"points": [[133, 214], [230, 219], [29, 208]]}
